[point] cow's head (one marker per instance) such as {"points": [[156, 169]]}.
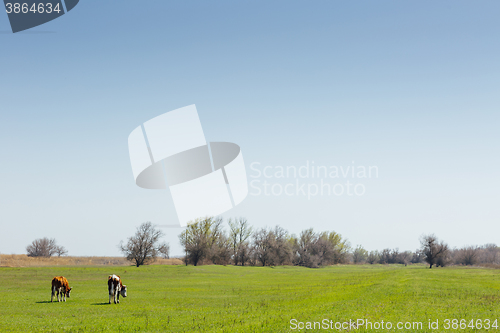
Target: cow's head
{"points": [[123, 291], [68, 292]]}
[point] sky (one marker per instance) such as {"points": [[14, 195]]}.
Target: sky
{"points": [[409, 87]]}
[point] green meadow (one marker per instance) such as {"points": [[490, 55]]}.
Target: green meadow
{"points": [[250, 299]]}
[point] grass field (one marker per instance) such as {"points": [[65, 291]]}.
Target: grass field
{"points": [[246, 299]]}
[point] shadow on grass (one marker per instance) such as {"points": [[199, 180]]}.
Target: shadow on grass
{"points": [[45, 302]]}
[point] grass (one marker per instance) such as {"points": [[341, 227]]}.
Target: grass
{"points": [[245, 299]]}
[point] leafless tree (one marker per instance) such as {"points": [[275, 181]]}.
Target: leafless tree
{"points": [[405, 257], [489, 254], [144, 246], [263, 241], [417, 257], [395, 257], [61, 251], [468, 255], [435, 252], [385, 256], [303, 252], [45, 247], [244, 254], [444, 259], [373, 257], [164, 250], [281, 246], [220, 251], [239, 231]]}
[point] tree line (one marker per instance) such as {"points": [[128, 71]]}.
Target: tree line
{"points": [[208, 242], [433, 252]]}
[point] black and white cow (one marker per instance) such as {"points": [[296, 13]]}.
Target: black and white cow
{"points": [[116, 288]]}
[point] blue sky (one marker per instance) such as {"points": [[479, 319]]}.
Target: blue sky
{"points": [[411, 87]]}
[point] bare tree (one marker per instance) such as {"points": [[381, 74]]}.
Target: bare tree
{"points": [[244, 254], [385, 256], [435, 252], [239, 231], [472, 255], [164, 250], [444, 259], [281, 246], [61, 251], [219, 248], [263, 241], [220, 251], [144, 246], [417, 257], [373, 257], [468, 255], [324, 250], [45, 247], [405, 257], [303, 249], [489, 254]]}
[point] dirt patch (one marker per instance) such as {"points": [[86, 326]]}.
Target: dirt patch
{"points": [[22, 260]]}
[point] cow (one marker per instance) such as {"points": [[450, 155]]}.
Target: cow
{"points": [[61, 286], [115, 288]]}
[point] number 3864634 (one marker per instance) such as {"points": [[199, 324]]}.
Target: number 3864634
{"points": [[36, 8]]}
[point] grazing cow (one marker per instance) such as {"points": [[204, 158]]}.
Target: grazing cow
{"points": [[61, 285], [115, 288]]}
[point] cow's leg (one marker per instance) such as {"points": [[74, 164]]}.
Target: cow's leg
{"points": [[52, 294], [114, 295], [110, 291], [64, 294], [118, 297]]}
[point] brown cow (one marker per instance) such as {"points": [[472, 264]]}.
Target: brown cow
{"points": [[61, 285], [115, 288]]}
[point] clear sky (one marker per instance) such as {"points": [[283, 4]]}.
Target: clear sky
{"points": [[411, 87]]}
